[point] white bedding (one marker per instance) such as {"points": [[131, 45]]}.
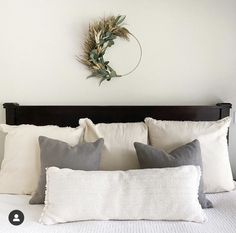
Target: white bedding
{"points": [[221, 219]]}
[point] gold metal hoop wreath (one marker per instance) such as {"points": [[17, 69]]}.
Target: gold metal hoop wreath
{"points": [[101, 36]]}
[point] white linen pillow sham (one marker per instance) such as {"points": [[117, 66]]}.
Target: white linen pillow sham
{"points": [[2, 142], [20, 168], [154, 194], [168, 135], [118, 152]]}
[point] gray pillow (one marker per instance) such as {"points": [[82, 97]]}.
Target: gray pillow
{"points": [[60, 154], [189, 154]]}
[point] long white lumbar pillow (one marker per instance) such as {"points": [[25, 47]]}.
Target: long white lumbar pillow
{"points": [[154, 194]]}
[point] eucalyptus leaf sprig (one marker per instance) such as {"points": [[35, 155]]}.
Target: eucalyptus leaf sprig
{"points": [[101, 36]]}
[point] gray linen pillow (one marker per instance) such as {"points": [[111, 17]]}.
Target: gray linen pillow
{"points": [[60, 154], [189, 154]]}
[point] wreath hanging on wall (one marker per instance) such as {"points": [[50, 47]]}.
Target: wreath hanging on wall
{"points": [[101, 36]]}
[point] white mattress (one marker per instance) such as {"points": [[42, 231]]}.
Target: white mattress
{"points": [[222, 219]]}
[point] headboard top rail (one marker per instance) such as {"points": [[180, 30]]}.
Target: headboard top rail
{"points": [[69, 115]]}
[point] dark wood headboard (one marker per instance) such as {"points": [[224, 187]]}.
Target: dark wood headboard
{"points": [[69, 115]]}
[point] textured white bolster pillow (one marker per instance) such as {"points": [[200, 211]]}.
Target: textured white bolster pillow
{"points": [[154, 194]]}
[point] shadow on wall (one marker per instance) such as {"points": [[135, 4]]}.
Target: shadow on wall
{"points": [[2, 135], [2, 113]]}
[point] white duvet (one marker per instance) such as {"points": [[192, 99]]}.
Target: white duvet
{"points": [[221, 219]]}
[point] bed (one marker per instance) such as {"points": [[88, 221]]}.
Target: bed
{"points": [[222, 218]]}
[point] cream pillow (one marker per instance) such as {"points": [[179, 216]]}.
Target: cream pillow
{"points": [[122, 195], [168, 135], [118, 152], [20, 168]]}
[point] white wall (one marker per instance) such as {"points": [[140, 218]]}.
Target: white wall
{"points": [[189, 53]]}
